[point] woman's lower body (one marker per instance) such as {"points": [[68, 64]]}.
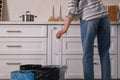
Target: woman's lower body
{"points": [[99, 27]]}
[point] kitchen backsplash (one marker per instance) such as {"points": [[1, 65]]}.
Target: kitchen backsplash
{"points": [[13, 9]]}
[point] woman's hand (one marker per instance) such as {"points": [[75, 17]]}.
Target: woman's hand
{"points": [[65, 28], [60, 33]]}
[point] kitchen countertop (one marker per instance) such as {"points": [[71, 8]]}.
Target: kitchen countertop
{"points": [[43, 23], [115, 22]]}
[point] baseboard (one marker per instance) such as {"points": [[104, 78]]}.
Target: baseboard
{"points": [[69, 79], [83, 79]]}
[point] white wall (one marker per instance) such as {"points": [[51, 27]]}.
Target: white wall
{"points": [[111, 2], [41, 8]]}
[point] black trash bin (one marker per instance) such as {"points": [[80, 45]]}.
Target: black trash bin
{"points": [[51, 72], [46, 72]]}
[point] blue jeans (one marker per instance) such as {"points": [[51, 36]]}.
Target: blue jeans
{"points": [[99, 27]]}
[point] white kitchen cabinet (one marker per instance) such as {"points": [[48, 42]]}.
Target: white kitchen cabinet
{"points": [[54, 45], [12, 62], [74, 46], [21, 44], [74, 63], [75, 67], [72, 58], [37, 44], [113, 46], [73, 31], [23, 30], [71, 46], [119, 52], [114, 31], [72, 53]]}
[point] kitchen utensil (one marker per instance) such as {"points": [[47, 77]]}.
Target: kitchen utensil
{"points": [[59, 18], [52, 18], [28, 16]]}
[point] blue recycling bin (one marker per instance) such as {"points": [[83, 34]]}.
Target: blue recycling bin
{"points": [[22, 75]]}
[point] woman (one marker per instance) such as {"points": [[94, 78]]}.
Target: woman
{"points": [[94, 21]]}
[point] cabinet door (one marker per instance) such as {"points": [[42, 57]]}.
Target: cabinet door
{"points": [[72, 46], [54, 45], [73, 31], [97, 66], [114, 30], [74, 64], [119, 52], [113, 46], [12, 63], [75, 68]]}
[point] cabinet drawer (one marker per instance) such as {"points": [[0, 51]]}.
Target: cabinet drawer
{"points": [[74, 46], [113, 46], [97, 67], [23, 30], [23, 46], [11, 63], [75, 67], [74, 31], [114, 30], [74, 64], [118, 51]]}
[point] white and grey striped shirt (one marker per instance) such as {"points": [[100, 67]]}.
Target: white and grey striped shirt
{"points": [[87, 9]]}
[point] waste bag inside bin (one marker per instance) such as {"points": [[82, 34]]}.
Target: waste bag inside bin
{"points": [[22, 75], [30, 67], [51, 72], [47, 73]]}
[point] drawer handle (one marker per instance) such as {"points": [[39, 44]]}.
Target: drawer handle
{"points": [[11, 46], [55, 28], [10, 31], [95, 46], [13, 63], [95, 63]]}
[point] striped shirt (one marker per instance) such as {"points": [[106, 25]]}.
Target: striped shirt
{"points": [[87, 9]]}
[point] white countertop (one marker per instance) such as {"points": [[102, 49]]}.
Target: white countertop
{"points": [[115, 22], [44, 23]]}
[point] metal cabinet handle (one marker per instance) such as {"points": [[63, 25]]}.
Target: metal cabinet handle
{"points": [[95, 46], [13, 31], [13, 63], [95, 63], [11, 46], [54, 27]]}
